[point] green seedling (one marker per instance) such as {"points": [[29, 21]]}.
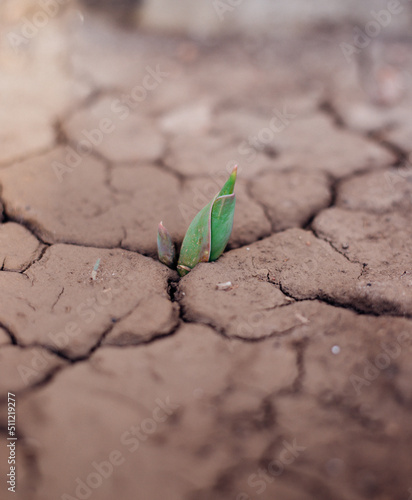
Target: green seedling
{"points": [[208, 233]]}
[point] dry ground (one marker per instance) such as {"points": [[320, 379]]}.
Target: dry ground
{"points": [[295, 383]]}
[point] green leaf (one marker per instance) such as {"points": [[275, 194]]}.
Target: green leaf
{"points": [[223, 212], [209, 232], [229, 185], [196, 243]]}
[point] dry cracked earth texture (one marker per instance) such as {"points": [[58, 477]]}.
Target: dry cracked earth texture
{"points": [[295, 382]]}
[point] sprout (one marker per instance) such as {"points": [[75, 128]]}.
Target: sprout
{"points": [[207, 235], [165, 246]]}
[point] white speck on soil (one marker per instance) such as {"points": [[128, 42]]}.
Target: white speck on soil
{"points": [[302, 318], [224, 286]]}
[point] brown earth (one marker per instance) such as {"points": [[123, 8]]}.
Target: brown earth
{"points": [[292, 383]]}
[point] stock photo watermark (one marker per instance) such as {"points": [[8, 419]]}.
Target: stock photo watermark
{"points": [[86, 312], [11, 442], [362, 37], [120, 110], [248, 151], [382, 361], [221, 7], [130, 440], [30, 27], [256, 143], [396, 178], [259, 481]]}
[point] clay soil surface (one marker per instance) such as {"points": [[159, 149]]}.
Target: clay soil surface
{"points": [[295, 382]]}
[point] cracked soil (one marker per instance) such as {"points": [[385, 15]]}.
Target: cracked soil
{"points": [[295, 382]]}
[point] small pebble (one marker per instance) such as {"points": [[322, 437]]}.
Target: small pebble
{"points": [[302, 318], [335, 349], [224, 286]]}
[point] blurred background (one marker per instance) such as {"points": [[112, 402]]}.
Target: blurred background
{"points": [[206, 17]]}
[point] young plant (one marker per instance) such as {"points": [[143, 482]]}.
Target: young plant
{"points": [[207, 235]]}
